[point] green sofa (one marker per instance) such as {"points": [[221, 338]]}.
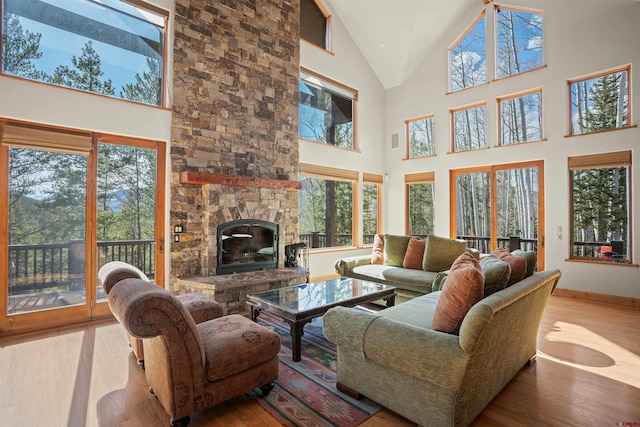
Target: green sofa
{"points": [[395, 358], [439, 253]]}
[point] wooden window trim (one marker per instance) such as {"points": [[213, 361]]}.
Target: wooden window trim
{"points": [[518, 95], [601, 161], [626, 68], [407, 122], [453, 44], [452, 125]]}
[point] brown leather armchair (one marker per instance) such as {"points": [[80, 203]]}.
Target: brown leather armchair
{"points": [[192, 367], [201, 307]]}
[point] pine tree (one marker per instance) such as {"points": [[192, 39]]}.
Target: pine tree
{"points": [[604, 95], [85, 74], [147, 87], [19, 48]]}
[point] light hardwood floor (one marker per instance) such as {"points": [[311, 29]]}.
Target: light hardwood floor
{"points": [[587, 374]]}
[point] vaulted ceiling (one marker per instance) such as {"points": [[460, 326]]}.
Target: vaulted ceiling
{"points": [[395, 35]]}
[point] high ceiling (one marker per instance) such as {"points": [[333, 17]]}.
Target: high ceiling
{"points": [[395, 35]]}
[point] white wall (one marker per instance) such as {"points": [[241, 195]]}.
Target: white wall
{"points": [[346, 65], [580, 37]]}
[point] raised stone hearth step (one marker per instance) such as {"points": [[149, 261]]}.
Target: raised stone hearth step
{"points": [[231, 290]]}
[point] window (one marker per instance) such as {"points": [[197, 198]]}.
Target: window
{"points": [[518, 41], [326, 111], [420, 137], [600, 208], [315, 23], [326, 204], [468, 57], [111, 48], [371, 207], [469, 127], [600, 101], [419, 197], [520, 117]]}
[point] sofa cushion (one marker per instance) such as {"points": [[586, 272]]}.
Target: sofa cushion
{"points": [[415, 253], [496, 274], [377, 253], [441, 252], [394, 249], [463, 288], [402, 278], [531, 257], [518, 265]]}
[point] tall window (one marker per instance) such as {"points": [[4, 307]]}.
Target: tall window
{"points": [[111, 48], [371, 207], [419, 197], [518, 41], [468, 57], [600, 101], [521, 117], [600, 210], [327, 111], [326, 204], [469, 127], [420, 137], [315, 23]]}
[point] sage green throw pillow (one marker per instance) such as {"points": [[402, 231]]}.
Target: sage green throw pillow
{"points": [[441, 252], [531, 258], [394, 249], [496, 274]]}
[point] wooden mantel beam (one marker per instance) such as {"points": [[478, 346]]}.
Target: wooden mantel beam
{"points": [[203, 178]]}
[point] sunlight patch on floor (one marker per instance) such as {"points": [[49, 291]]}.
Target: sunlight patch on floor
{"points": [[591, 352]]}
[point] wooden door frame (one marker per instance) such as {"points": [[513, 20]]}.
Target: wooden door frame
{"points": [[39, 320], [492, 170]]}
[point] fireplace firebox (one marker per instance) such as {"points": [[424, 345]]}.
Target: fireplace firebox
{"points": [[247, 245]]}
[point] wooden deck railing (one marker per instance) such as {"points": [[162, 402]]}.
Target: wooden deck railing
{"points": [[62, 265]]}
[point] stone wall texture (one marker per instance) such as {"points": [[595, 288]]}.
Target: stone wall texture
{"points": [[235, 112]]}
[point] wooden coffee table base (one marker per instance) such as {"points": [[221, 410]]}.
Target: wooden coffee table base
{"points": [[296, 326]]}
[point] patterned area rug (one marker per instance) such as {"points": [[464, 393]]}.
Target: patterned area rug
{"points": [[305, 393]]}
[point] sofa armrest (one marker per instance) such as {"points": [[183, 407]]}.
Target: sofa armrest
{"points": [[343, 266], [346, 328], [419, 352]]}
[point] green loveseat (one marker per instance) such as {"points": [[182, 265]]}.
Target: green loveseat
{"points": [[438, 255], [434, 378]]}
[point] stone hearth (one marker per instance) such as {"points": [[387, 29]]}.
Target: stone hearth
{"points": [[231, 290]]}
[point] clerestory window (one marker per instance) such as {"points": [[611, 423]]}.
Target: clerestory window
{"points": [[420, 138], [520, 117], [112, 47], [600, 101], [315, 23], [518, 41], [469, 127], [468, 57], [327, 111]]}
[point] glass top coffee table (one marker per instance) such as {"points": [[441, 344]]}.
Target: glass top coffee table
{"points": [[298, 305]]}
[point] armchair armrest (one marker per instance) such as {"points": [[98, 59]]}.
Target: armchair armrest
{"points": [[343, 266]]}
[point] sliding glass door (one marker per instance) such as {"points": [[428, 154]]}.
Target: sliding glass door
{"points": [[71, 208], [500, 206]]}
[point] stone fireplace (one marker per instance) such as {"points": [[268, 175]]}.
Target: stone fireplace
{"points": [[234, 143]]}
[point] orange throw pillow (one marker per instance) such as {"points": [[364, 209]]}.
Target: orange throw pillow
{"points": [[518, 265], [415, 253], [377, 254], [463, 288]]}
